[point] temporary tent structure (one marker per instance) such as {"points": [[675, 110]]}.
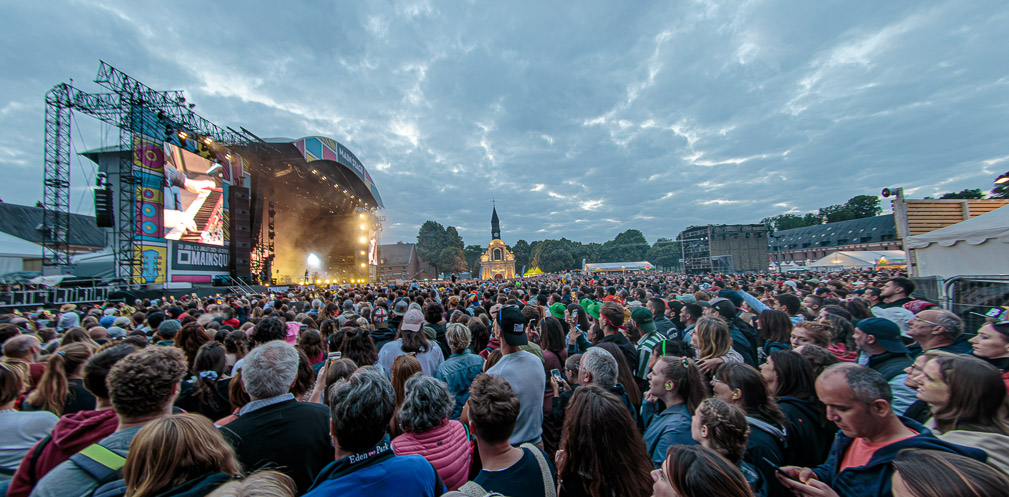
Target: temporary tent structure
{"points": [[847, 259], [977, 246], [617, 266], [14, 251]]}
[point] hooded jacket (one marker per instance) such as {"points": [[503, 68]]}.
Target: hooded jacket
{"points": [[810, 434], [446, 447], [383, 336], [72, 433], [874, 478]]}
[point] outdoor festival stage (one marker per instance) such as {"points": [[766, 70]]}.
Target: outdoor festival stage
{"points": [[184, 201]]}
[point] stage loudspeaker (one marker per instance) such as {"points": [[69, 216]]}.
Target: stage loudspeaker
{"points": [[241, 233], [103, 208]]}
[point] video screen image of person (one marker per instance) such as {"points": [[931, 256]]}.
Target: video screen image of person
{"points": [[193, 201]]}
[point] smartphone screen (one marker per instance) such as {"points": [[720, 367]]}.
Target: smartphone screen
{"points": [[556, 374]]}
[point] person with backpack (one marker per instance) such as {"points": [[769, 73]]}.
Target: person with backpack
{"points": [[74, 431], [492, 412], [177, 455], [142, 388]]}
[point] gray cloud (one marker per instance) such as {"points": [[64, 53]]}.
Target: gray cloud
{"points": [[582, 120]]}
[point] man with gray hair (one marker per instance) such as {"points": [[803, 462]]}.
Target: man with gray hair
{"points": [[597, 367], [275, 430], [858, 402], [360, 410], [937, 329]]}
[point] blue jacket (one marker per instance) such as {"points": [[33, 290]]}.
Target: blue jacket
{"points": [[874, 478], [458, 371], [378, 471], [669, 427]]}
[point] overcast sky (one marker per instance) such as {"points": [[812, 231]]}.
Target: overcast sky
{"points": [[582, 119]]}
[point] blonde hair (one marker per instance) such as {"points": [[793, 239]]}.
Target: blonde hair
{"points": [[713, 337], [172, 450], [260, 484]]}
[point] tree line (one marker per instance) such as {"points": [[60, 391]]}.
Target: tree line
{"points": [[443, 248]]}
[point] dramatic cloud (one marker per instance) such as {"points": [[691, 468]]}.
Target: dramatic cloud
{"points": [[580, 119]]}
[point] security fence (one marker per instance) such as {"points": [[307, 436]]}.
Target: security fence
{"points": [[970, 297]]}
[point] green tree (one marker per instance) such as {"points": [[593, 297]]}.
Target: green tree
{"points": [[472, 254], [665, 253], [861, 206], [835, 213], [966, 193], [452, 238], [625, 247], [554, 256], [431, 240], [452, 260], [812, 219], [521, 251], [790, 221]]}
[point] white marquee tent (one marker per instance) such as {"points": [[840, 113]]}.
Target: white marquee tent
{"points": [[13, 252], [977, 246], [847, 259]]}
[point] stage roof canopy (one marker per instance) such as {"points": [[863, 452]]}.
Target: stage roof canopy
{"points": [[331, 161]]}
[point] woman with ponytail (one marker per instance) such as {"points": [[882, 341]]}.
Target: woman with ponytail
{"points": [[206, 392], [61, 389], [743, 386], [675, 389]]}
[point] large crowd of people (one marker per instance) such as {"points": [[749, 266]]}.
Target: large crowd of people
{"points": [[575, 385]]}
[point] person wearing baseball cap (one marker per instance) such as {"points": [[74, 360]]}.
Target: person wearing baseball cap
{"points": [[383, 333], [884, 351], [650, 336], [522, 370], [412, 340]]}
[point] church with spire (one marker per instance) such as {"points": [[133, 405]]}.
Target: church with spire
{"points": [[497, 262]]}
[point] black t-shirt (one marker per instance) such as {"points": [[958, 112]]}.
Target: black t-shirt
{"points": [[895, 303], [214, 406], [77, 399], [522, 478]]}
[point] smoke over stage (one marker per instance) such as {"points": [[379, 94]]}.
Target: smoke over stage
{"points": [[313, 197]]}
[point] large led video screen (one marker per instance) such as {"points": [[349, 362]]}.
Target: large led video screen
{"points": [[194, 200]]}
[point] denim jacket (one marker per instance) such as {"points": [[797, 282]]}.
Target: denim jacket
{"points": [[458, 371]]}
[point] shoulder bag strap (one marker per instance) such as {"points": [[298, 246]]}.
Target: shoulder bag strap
{"points": [[548, 484], [472, 489]]}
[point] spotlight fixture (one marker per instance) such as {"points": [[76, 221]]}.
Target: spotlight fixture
{"points": [[1001, 180], [208, 140], [183, 135], [227, 156]]}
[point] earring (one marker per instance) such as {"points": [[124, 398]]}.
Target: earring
{"points": [[669, 385], [735, 395]]}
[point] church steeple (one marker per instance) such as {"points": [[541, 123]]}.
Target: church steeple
{"points": [[495, 226]]}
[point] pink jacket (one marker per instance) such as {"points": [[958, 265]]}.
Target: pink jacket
{"points": [[446, 447]]}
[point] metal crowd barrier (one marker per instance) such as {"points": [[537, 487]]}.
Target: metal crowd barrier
{"points": [[971, 296]]}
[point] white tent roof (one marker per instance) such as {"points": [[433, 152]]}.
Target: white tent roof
{"points": [[859, 258], [993, 225], [971, 247], [12, 246]]}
